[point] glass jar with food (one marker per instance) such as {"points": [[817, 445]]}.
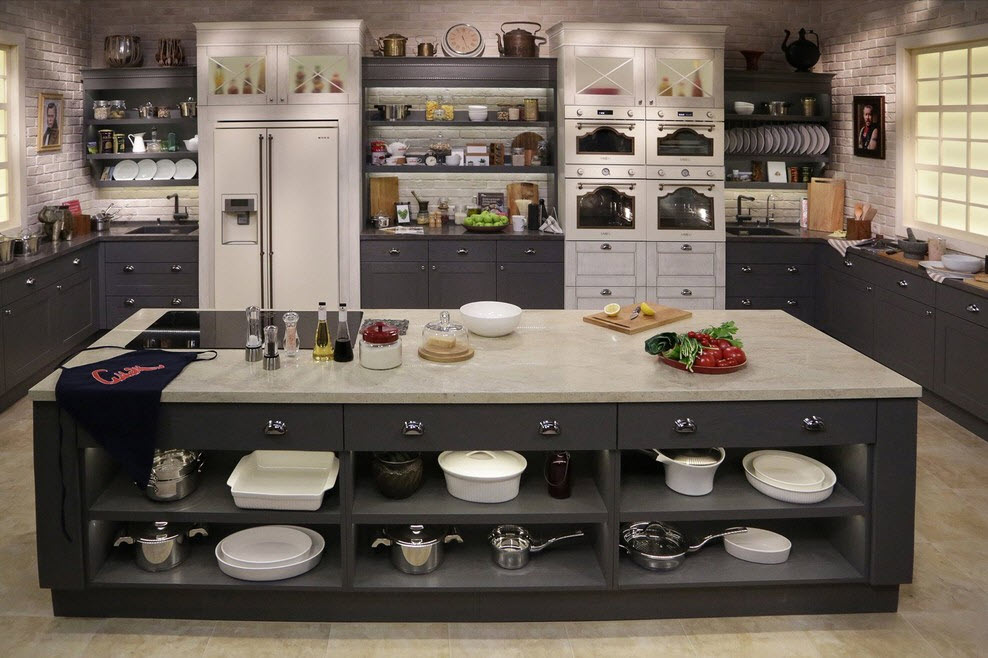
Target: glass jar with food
{"points": [[118, 109], [380, 347], [101, 110], [502, 111], [445, 336], [430, 108]]}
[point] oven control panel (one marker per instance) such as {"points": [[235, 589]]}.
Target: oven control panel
{"points": [[673, 172]]}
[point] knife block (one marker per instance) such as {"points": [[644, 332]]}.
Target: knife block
{"points": [[858, 229]]}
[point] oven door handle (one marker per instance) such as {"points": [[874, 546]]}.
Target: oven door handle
{"points": [[608, 124], [710, 127], [630, 186], [710, 188]]}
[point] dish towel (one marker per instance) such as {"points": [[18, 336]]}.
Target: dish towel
{"points": [[842, 245]]}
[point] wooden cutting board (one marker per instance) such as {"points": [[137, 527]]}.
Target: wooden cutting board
{"points": [[620, 322], [527, 140], [826, 204], [383, 196], [517, 191]]}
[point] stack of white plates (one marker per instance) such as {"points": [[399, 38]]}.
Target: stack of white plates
{"points": [[789, 476], [803, 139], [272, 552]]}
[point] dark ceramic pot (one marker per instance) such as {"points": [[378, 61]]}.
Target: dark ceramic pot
{"points": [[397, 476], [802, 53]]}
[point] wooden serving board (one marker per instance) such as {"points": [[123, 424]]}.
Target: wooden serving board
{"points": [[527, 140], [517, 191], [826, 201], [445, 356], [620, 322], [383, 196]]}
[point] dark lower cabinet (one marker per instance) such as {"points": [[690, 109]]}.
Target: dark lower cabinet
{"points": [[848, 310], [394, 285], [531, 285], [29, 335], [905, 334], [451, 285], [76, 308], [961, 375], [800, 307]]}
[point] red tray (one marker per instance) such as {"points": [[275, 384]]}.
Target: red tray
{"points": [[703, 370]]}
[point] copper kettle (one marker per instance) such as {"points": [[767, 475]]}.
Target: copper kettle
{"points": [[392, 45], [519, 42]]}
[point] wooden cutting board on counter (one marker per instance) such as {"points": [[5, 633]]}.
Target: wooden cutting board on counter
{"points": [[517, 191], [825, 197], [383, 196], [527, 140], [621, 322]]}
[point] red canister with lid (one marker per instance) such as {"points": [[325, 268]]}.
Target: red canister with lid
{"points": [[380, 346]]}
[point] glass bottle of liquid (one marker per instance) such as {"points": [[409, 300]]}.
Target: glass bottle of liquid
{"points": [[291, 334], [322, 350], [343, 350]]}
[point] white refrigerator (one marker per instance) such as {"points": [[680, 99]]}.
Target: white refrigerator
{"points": [[277, 204]]}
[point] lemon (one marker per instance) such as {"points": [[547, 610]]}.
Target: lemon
{"points": [[612, 309], [647, 310]]}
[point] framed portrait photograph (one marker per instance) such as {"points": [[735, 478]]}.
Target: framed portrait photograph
{"points": [[51, 113], [869, 126]]}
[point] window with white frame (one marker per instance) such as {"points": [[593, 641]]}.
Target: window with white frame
{"points": [[11, 131], [944, 125]]}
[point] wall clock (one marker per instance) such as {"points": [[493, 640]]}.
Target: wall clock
{"points": [[463, 40]]}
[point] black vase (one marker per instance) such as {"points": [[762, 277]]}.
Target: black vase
{"points": [[397, 478], [802, 53]]}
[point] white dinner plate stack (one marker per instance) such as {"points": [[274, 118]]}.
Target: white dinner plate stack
{"points": [[789, 476], [803, 139], [271, 552]]}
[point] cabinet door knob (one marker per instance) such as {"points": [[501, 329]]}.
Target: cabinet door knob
{"points": [[686, 292], [606, 292], [501, 268], [176, 268], [929, 314], [746, 302], [579, 172], [792, 269], [792, 302], [684, 426], [606, 246], [903, 283], [276, 428], [413, 428], [129, 301], [530, 252], [868, 288], [394, 251], [30, 281], [434, 268], [422, 267], [176, 301], [8, 312], [549, 428], [848, 263], [128, 268], [651, 101], [640, 101], [814, 424], [973, 308], [58, 287], [746, 269], [76, 261], [686, 247], [462, 252]]}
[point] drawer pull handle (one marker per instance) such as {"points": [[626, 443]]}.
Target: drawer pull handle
{"points": [[813, 424], [394, 251], [686, 292], [276, 428], [176, 301], [435, 267], [686, 247], [129, 301], [929, 314], [549, 428], [746, 302], [868, 288], [422, 267], [502, 268], [128, 268], [8, 312], [792, 269], [606, 292], [30, 281], [973, 308], [903, 283], [606, 246], [792, 302], [77, 261], [746, 269], [684, 426], [848, 263], [58, 287], [413, 428], [463, 252], [530, 252], [176, 268]]}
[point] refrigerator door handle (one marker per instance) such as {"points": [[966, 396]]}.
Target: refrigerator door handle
{"points": [[270, 227], [261, 212]]}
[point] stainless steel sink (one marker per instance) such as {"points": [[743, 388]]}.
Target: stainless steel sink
{"points": [[164, 230], [756, 230]]}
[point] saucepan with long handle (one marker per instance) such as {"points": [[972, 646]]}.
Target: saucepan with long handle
{"points": [[658, 546]]}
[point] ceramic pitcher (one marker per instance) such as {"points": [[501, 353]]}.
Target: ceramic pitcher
{"points": [[137, 142]]}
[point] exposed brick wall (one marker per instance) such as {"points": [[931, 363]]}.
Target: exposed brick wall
{"points": [[57, 34]]}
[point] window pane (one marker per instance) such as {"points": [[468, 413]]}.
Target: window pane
{"points": [[926, 210], [954, 187], [3, 149], [954, 62], [979, 190], [954, 154], [979, 125], [3, 90], [955, 92], [928, 65], [953, 215], [3, 181], [979, 60], [979, 220], [979, 155], [928, 92], [955, 124], [979, 91], [3, 121], [3, 61], [4, 209], [928, 183], [928, 124], [926, 151]]}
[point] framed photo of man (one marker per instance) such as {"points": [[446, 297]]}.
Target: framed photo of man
{"points": [[51, 121], [869, 126]]}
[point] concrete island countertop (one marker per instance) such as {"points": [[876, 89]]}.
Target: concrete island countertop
{"points": [[456, 232], [553, 357]]}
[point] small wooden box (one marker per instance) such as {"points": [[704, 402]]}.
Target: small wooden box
{"points": [[858, 229]]}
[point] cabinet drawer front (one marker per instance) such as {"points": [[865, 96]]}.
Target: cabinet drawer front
{"points": [[621, 264], [151, 252], [457, 250], [152, 278], [121, 307], [78, 261], [770, 279], [745, 424], [393, 250], [773, 252], [966, 305], [919, 288], [24, 283], [520, 251], [800, 307], [481, 427], [686, 263]]}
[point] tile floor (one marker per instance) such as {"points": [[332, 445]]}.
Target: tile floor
{"points": [[943, 613]]}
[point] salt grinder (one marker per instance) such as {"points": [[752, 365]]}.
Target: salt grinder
{"points": [[271, 359], [252, 351]]}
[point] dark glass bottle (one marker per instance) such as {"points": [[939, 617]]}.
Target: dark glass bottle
{"points": [[343, 349]]}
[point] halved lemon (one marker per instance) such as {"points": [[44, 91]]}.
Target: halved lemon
{"points": [[647, 310], [612, 309]]}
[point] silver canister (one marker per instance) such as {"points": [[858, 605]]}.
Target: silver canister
{"points": [[6, 250], [417, 549], [809, 106]]}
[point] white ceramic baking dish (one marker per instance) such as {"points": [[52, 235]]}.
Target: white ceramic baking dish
{"points": [[298, 567], [283, 479], [482, 476]]}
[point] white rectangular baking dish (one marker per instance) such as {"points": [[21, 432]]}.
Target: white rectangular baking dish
{"points": [[283, 479]]}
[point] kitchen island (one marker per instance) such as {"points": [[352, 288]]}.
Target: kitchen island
{"points": [[556, 383]]}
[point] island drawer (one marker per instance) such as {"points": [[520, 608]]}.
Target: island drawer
{"points": [[393, 250], [248, 426], [471, 250], [746, 424], [963, 304], [519, 251], [425, 428], [185, 251]]}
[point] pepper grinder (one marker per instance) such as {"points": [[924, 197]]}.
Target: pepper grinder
{"points": [[271, 359], [252, 350]]}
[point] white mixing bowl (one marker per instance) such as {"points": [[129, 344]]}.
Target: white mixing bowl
{"points": [[962, 263], [490, 318]]}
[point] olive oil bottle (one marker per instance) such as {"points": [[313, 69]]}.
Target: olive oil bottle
{"points": [[323, 349]]}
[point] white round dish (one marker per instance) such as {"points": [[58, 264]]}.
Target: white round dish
{"points": [[185, 169], [729, 141], [146, 169], [790, 139], [808, 141], [742, 107], [491, 319], [267, 546], [304, 563], [787, 495], [758, 545], [166, 169], [788, 470], [759, 140], [770, 144], [125, 170], [826, 138], [780, 139], [482, 476], [745, 141], [962, 263]]}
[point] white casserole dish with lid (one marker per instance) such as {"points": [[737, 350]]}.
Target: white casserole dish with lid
{"points": [[482, 476]]}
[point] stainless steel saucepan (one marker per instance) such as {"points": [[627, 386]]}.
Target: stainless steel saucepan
{"points": [[417, 549], [512, 546], [159, 546], [658, 546]]}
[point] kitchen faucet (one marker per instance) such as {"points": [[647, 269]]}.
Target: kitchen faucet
{"points": [[179, 216], [739, 218], [768, 209]]}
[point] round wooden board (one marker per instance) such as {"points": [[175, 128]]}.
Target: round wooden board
{"points": [[703, 370], [445, 357]]}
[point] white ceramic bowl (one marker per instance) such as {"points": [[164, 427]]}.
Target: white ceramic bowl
{"points": [[757, 545], [257, 574], [477, 112], [490, 319], [962, 263], [191, 144], [785, 495], [741, 107]]}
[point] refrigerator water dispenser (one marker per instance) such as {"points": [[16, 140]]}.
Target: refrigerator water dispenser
{"points": [[240, 222]]}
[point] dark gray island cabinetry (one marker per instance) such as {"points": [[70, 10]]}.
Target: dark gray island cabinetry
{"points": [[549, 386]]}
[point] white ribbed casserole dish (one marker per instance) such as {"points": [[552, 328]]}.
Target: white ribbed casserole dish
{"points": [[482, 476]]}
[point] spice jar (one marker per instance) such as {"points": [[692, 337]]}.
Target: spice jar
{"points": [[380, 347], [101, 110], [514, 113], [531, 109], [517, 156], [431, 104], [118, 109], [443, 211], [502, 111]]}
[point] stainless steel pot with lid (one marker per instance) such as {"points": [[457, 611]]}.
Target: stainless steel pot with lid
{"points": [[658, 546], [174, 474], [160, 545], [417, 549], [392, 45]]}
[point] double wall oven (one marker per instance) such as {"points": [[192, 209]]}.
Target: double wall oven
{"points": [[685, 203], [686, 137]]}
